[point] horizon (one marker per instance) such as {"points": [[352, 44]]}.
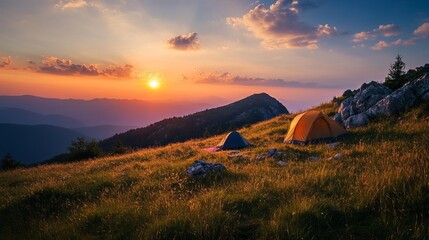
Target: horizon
{"points": [[300, 52]]}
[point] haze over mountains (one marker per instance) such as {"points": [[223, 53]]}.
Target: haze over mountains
{"points": [[119, 112], [22, 116]]}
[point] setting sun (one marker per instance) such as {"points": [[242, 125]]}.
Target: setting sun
{"points": [[153, 83]]}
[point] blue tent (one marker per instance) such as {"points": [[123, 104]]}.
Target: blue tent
{"points": [[233, 140]]}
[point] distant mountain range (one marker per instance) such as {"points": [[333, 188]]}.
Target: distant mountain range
{"points": [[21, 116], [95, 112], [31, 144], [255, 108]]}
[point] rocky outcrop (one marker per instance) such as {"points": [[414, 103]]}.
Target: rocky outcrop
{"points": [[200, 168], [374, 99]]}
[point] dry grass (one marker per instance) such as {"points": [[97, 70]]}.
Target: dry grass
{"points": [[380, 189]]}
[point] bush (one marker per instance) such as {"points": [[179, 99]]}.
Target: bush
{"points": [[83, 149], [8, 162]]}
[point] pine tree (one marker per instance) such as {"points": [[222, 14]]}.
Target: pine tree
{"points": [[395, 79]]}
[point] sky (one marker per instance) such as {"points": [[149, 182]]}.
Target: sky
{"points": [[302, 52]]}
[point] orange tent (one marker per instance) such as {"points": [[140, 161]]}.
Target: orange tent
{"points": [[313, 126]]}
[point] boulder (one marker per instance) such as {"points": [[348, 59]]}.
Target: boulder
{"points": [[368, 95], [402, 99], [200, 168], [395, 103], [374, 100], [358, 120]]}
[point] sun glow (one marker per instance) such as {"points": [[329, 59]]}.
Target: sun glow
{"points": [[153, 83]]}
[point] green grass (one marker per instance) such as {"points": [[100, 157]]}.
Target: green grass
{"points": [[379, 190]]}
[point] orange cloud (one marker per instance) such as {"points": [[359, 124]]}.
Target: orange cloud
{"points": [[71, 4], [420, 33], [384, 30], [118, 71], [279, 26], [55, 65], [5, 61], [400, 42]]}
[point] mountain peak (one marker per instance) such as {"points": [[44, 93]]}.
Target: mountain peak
{"points": [[252, 109]]}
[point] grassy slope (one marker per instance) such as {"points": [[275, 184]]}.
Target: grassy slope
{"points": [[379, 190]]}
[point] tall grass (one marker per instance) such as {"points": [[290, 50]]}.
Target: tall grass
{"points": [[379, 190]]}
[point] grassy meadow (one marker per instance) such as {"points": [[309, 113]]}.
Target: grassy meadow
{"points": [[378, 190]]}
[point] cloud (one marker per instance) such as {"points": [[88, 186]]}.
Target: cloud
{"points": [[380, 45], [400, 42], [279, 26], [71, 4], [423, 30], [363, 36], [185, 42], [388, 30], [5, 61], [55, 65], [383, 30], [118, 71], [226, 78], [59, 66]]}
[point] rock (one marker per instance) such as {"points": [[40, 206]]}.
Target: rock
{"points": [[422, 87], [369, 95], [337, 156], [338, 118], [281, 163], [260, 157], [333, 145], [397, 102], [358, 120], [374, 100], [402, 99], [314, 158], [200, 168], [273, 153]]}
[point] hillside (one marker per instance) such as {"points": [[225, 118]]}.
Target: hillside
{"points": [[255, 108], [31, 144], [378, 190]]}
